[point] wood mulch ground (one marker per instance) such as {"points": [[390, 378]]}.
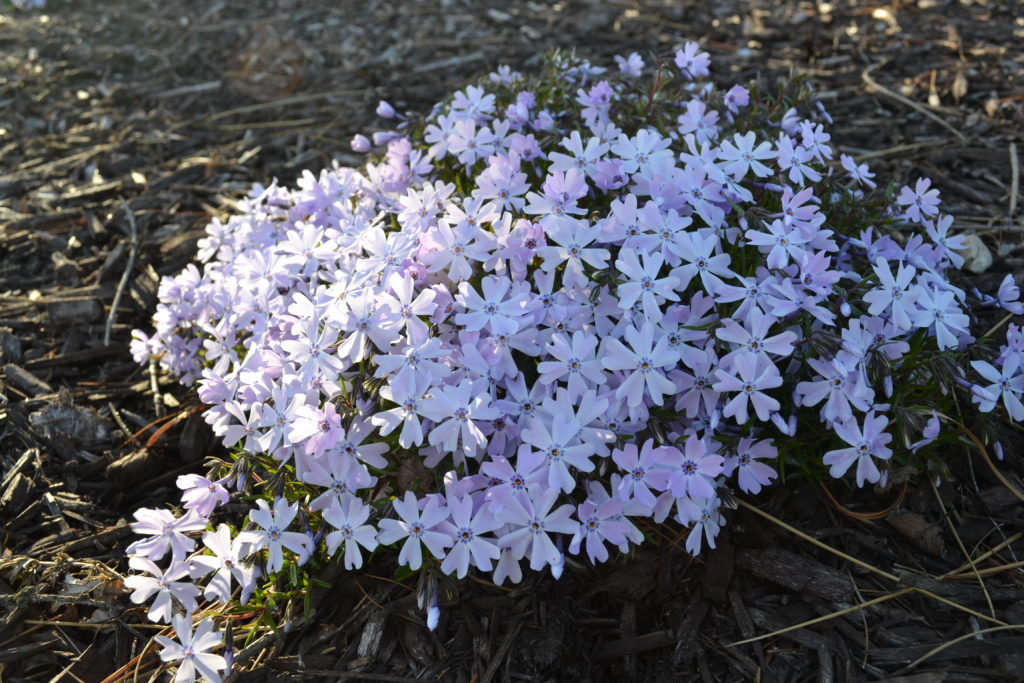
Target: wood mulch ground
{"points": [[126, 126]]}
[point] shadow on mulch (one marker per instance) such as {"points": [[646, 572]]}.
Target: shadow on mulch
{"points": [[126, 127]]}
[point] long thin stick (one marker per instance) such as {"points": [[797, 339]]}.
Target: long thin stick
{"points": [[872, 83], [123, 284], [972, 634], [810, 539]]}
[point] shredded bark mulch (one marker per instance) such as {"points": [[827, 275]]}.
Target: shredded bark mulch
{"points": [[126, 127]]}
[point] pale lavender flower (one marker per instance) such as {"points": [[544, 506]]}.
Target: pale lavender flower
{"points": [[166, 532], [894, 294], [201, 494], [752, 475], [866, 445], [456, 410], [575, 362], [841, 385], [599, 523], [469, 545], [416, 527], [693, 470], [691, 62], [162, 584], [228, 562], [919, 202], [752, 376], [1007, 384], [272, 535], [859, 172], [644, 360], [631, 66], [534, 519], [938, 311], [743, 156], [191, 650], [643, 284], [341, 474], [348, 516], [641, 472]]}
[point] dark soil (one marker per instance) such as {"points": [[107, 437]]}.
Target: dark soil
{"points": [[126, 126]]}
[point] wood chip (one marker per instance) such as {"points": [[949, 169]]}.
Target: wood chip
{"points": [[26, 381]]}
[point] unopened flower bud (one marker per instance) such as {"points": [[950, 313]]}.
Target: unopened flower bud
{"points": [[361, 144], [385, 110]]}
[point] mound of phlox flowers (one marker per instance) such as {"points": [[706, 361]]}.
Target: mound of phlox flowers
{"points": [[557, 310]]}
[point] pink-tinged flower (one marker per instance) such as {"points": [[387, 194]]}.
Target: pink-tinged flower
{"points": [[920, 201], [164, 585], [201, 494], [166, 532], [641, 471], [693, 470], [467, 527], [191, 650], [865, 445], [456, 409], [416, 527], [599, 523], [894, 294], [644, 361], [534, 519], [228, 561], [273, 536], [318, 429], [576, 363], [752, 474], [692, 62], [348, 516], [753, 375]]}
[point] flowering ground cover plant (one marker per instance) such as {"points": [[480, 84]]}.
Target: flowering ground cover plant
{"points": [[581, 302]]}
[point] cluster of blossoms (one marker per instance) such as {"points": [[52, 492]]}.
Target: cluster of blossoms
{"points": [[573, 313]]}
